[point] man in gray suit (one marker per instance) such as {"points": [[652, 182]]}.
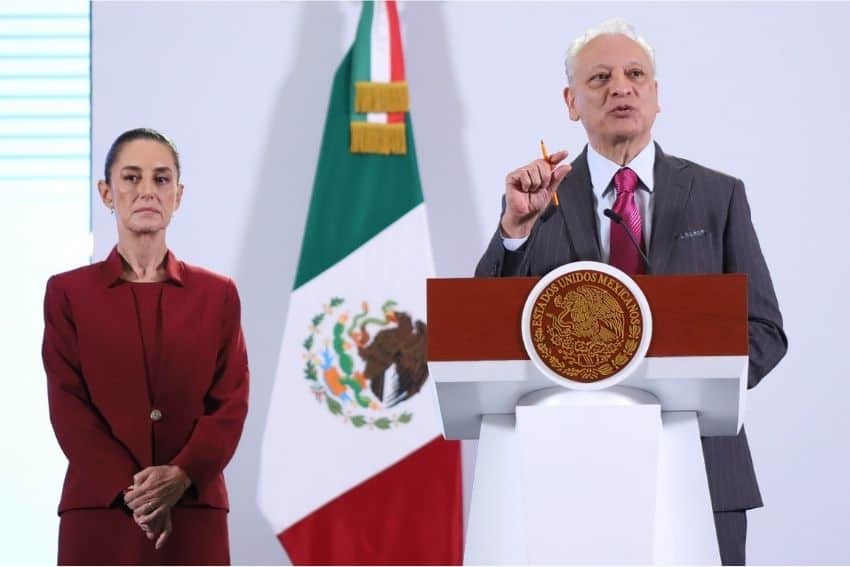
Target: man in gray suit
{"points": [[688, 219]]}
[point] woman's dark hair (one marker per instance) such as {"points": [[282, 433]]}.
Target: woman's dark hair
{"points": [[138, 134]]}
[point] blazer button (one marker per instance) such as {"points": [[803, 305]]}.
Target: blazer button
{"points": [[156, 415]]}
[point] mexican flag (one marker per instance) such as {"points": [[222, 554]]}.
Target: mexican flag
{"points": [[354, 469]]}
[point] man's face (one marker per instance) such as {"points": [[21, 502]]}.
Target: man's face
{"points": [[613, 90]]}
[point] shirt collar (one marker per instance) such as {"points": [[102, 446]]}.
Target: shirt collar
{"points": [[113, 267], [602, 169]]}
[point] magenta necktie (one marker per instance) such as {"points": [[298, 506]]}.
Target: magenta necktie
{"points": [[624, 255]]}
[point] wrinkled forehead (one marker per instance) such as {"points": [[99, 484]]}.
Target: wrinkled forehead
{"points": [[611, 50]]}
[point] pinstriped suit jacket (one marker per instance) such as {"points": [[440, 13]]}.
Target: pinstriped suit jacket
{"points": [[701, 225]]}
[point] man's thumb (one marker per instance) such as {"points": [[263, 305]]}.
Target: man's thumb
{"points": [[559, 173]]}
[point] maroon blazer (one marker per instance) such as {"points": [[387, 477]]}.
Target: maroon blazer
{"points": [[110, 420]]}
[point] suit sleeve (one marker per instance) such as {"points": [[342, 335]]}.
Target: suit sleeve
{"points": [[217, 432], [497, 261], [83, 434], [490, 264], [768, 342]]}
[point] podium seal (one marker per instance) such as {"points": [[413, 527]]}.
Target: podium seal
{"points": [[586, 325]]}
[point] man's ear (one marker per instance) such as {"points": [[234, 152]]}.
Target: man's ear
{"points": [[657, 99], [570, 99]]}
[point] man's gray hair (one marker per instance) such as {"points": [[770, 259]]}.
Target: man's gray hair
{"points": [[614, 26]]}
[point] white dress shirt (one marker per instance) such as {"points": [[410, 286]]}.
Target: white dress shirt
{"points": [[602, 172]]}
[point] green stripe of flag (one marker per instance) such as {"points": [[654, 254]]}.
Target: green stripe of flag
{"points": [[355, 196], [361, 66]]}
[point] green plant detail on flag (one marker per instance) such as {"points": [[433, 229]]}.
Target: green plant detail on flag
{"points": [[334, 381]]}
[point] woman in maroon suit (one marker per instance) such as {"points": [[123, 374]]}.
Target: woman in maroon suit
{"points": [[147, 381]]}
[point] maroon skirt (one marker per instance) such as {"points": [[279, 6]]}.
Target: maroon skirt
{"points": [[101, 536]]}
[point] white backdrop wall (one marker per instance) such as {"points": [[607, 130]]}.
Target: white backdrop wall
{"points": [[757, 90]]}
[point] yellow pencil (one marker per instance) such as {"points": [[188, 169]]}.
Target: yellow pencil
{"points": [[546, 157]]}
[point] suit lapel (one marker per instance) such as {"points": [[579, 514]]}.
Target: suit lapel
{"points": [[672, 189], [576, 195]]}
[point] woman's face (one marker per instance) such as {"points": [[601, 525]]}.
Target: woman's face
{"points": [[143, 189]]}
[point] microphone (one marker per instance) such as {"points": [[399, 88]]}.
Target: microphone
{"points": [[619, 220]]}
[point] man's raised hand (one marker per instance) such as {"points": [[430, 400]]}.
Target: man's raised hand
{"points": [[528, 191]]}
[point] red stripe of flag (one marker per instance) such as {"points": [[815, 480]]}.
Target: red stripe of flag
{"points": [[408, 514], [396, 55]]}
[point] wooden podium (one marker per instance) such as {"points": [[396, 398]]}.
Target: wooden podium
{"points": [[614, 476]]}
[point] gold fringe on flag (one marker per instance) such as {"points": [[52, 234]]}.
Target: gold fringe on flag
{"points": [[375, 138], [381, 97]]}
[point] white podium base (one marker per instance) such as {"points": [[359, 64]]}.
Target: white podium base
{"points": [[639, 495], [684, 522], [494, 531]]}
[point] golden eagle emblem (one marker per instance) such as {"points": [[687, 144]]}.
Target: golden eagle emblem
{"points": [[586, 326], [588, 313]]}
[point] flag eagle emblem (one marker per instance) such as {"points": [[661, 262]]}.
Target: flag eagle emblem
{"points": [[364, 364]]}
